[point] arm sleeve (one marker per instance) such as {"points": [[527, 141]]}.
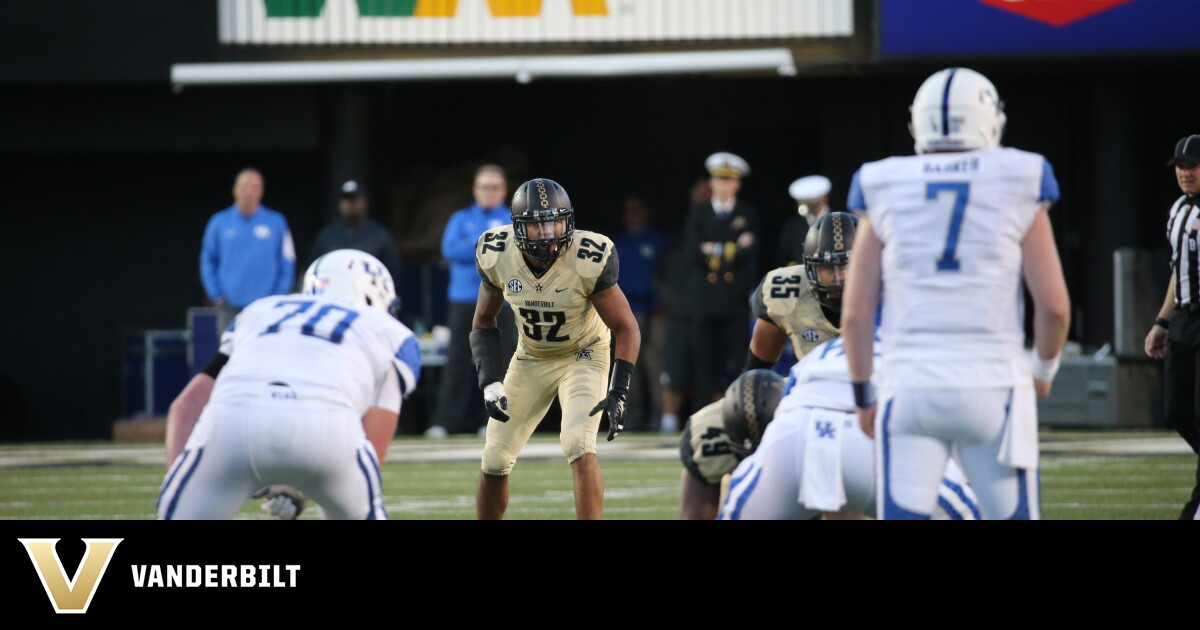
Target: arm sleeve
{"points": [[483, 275], [1049, 187], [210, 258], [610, 274], [407, 364], [757, 305], [856, 202], [456, 245]]}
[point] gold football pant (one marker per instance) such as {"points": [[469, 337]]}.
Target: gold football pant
{"points": [[579, 380]]}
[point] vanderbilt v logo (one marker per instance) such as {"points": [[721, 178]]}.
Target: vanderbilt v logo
{"points": [[72, 596]]}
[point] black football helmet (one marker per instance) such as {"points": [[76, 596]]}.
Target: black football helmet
{"points": [[827, 246], [749, 405], [541, 203]]}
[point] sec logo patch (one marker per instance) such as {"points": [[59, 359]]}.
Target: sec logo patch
{"points": [[515, 286]]}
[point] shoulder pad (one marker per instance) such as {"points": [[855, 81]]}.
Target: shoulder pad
{"points": [[492, 245], [589, 253]]}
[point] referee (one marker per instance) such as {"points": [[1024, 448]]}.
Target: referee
{"points": [[1178, 337]]}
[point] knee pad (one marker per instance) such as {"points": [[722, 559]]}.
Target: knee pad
{"points": [[497, 461]]}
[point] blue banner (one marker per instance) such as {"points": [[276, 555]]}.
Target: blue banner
{"points": [[947, 27]]}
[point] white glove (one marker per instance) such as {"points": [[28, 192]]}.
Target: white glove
{"points": [[495, 401], [282, 501]]}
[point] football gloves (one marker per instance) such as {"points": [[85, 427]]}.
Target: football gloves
{"points": [[614, 404], [282, 501], [495, 401]]}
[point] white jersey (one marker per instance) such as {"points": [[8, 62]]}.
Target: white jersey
{"points": [[952, 225], [312, 347], [822, 379]]}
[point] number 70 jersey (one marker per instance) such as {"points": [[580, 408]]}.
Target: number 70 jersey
{"points": [[554, 316], [313, 347], [952, 225]]}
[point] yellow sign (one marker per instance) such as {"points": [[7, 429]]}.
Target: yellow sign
{"points": [[74, 595], [533, 8]]}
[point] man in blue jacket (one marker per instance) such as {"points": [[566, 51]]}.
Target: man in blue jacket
{"points": [[247, 251], [457, 410]]}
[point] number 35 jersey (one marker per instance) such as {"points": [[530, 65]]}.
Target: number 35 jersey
{"points": [[951, 225], [311, 347], [554, 316], [784, 299]]}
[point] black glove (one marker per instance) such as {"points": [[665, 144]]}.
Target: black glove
{"points": [[614, 404]]}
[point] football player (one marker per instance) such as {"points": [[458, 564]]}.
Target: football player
{"points": [[803, 302], [950, 232], [562, 285], [812, 459], [305, 391]]}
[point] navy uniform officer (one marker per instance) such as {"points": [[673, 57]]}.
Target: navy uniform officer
{"points": [[722, 245]]}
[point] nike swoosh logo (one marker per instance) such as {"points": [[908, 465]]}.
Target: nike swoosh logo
{"points": [[559, 290]]}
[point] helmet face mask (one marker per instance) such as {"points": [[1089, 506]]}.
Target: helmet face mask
{"points": [[355, 276], [827, 255], [543, 220], [956, 109]]}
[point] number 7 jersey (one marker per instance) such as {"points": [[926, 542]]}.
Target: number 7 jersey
{"points": [[554, 316], [952, 225]]}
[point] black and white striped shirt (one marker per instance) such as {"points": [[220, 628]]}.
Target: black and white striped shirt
{"points": [[1185, 260]]}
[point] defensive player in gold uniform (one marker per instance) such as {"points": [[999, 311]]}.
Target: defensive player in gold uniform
{"points": [[565, 310], [785, 308]]}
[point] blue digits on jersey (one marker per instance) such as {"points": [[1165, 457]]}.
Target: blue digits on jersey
{"points": [[961, 192], [301, 306], [309, 327]]}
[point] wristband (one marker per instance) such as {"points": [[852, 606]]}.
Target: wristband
{"points": [[864, 394], [1163, 323], [622, 375], [1045, 369]]}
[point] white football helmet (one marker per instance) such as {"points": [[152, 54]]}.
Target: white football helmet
{"points": [[956, 109], [353, 275]]}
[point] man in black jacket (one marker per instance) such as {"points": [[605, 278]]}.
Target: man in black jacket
{"points": [[355, 230], [722, 246]]}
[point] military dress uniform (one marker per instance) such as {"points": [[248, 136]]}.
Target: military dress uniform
{"points": [[563, 346], [720, 281]]}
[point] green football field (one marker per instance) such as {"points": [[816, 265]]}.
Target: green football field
{"points": [[1085, 475]]}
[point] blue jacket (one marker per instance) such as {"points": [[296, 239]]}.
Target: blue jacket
{"points": [[639, 265], [243, 259], [458, 247]]}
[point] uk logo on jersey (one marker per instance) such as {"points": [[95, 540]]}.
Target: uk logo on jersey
{"points": [[515, 286]]}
